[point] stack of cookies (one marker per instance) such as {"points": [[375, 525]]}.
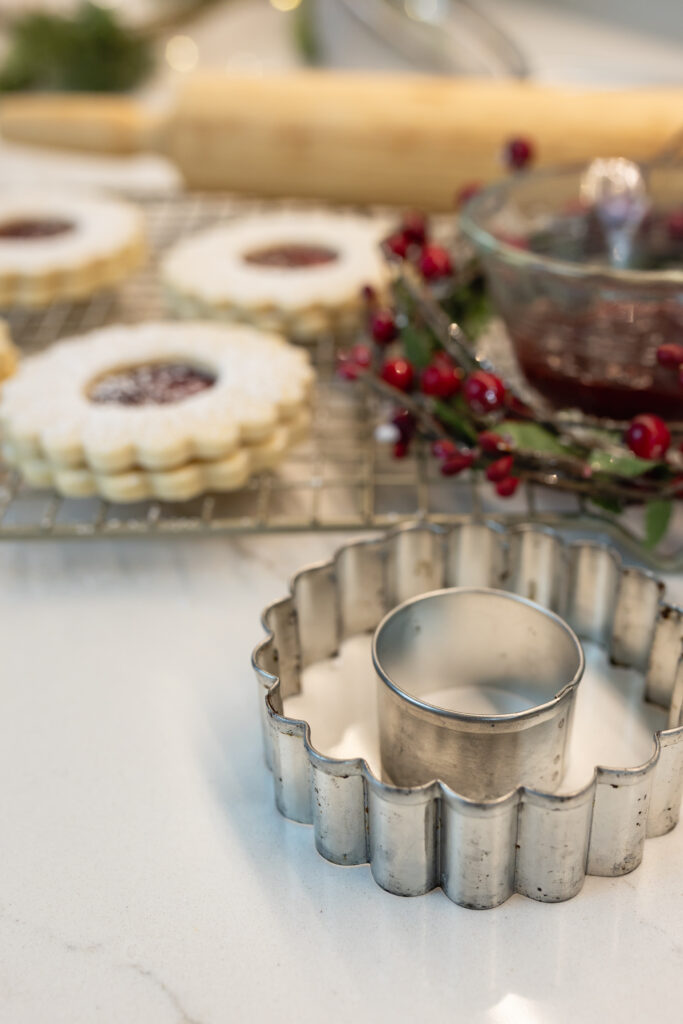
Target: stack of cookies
{"points": [[156, 410]]}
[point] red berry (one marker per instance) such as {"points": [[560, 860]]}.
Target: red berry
{"points": [[404, 421], [435, 262], [398, 244], [440, 380], [670, 355], [675, 226], [398, 373], [354, 362], [518, 153], [507, 487], [443, 448], [401, 449], [492, 443], [348, 370], [383, 327], [368, 294], [414, 228], [466, 193], [484, 392], [455, 464], [500, 469], [430, 382], [451, 380], [648, 436], [361, 355]]}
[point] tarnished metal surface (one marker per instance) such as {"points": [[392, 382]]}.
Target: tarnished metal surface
{"points": [[480, 852], [497, 645]]}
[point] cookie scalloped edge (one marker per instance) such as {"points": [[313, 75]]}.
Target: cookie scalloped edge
{"points": [[181, 483]]}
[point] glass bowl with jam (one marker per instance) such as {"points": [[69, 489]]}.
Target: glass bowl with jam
{"points": [[585, 333]]}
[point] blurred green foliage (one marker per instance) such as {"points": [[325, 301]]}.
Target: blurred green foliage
{"points": [[87, 51], [305, 35]]}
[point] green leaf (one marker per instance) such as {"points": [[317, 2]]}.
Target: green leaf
{"points": [[527, 435], [607, 503], [470, 306], [403, 299], [454, 419], [476, 315], [620, 465], [417, 346], [657, 518], [605, 437]]}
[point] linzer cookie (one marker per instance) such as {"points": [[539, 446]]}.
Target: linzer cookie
{"points": [[59, 246], [299, 272], [165, 410]]}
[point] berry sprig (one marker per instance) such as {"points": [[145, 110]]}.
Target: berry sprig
{"points": [[422, 361], [439, 382], [411, 241], [458, 411]]}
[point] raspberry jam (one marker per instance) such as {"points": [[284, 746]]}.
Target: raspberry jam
{"points": [[602, 360], [27, 228], [150, 384], [291, 256], [594, 346]]}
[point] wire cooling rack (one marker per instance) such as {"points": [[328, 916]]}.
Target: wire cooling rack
{"points": [[341, 478]]}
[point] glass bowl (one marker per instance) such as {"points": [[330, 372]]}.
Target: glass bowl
{"points": [[585, 335]]}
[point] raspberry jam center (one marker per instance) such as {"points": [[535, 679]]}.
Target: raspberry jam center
{"points": [[30, 227], [291, 256], [151, 384]]}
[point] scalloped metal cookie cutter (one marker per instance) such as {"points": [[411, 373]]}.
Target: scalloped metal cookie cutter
{"points": [[480, 852]]}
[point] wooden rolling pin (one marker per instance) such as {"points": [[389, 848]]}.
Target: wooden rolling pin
{"points": [[351, 137]]}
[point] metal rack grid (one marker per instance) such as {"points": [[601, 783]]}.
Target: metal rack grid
{"points": [[341, 478]]}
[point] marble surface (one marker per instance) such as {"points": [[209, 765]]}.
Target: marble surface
{"points": [[146, 875]]}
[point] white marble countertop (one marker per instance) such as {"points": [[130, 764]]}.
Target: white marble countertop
{"points": [[146, 875]]}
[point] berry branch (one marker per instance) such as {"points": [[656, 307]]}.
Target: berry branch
{"points": [[420, 358]]}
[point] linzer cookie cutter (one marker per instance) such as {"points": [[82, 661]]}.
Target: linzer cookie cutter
{"points": [[450, 641], [528, 840]]}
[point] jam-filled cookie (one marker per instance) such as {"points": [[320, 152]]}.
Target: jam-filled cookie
{"points": [[299, 272], [57, 245], [162, 410]]}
